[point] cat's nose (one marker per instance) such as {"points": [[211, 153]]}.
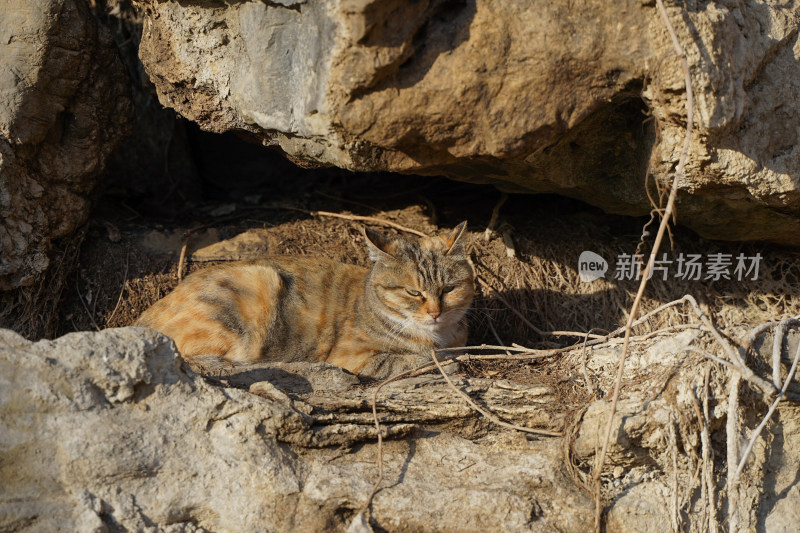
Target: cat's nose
{"points": [[434, 314]]}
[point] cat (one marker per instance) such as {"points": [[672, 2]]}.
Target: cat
{"points": [[372, 322]]}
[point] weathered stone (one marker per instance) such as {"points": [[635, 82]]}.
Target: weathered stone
{"points": [[63, 108], [642, 508], [208, 244], [112, 431], [536, 96], [108, 431]]}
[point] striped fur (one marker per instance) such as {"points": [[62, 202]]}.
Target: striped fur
{"points": [[298, 308]]}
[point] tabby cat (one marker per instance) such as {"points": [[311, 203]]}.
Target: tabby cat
{"points": [[299, 308]]}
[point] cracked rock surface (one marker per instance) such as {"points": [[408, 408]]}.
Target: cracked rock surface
{"points": [[109, 431], [532, 96], [63, 108], [112, 431]]}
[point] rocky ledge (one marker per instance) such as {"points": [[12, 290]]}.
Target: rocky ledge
{"points": [[111, 431]]}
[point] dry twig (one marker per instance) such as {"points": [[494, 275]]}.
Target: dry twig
{"points": [[673, 445], [711, 357], [495, 215], [668, 212], [777, 347], [508, 242], [85, 307], [708, 458], [486, 413], [374, 220], [734, 354], [182, 258], [186, 237], [771, 410], [589, 386], [733, 424], [496, 335], [732, 446], [122, 289], [705, 490]]}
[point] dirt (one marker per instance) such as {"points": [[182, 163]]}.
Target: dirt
{"points": [[118, 276]]}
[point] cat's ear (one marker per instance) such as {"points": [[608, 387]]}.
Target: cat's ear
{"points": [[378, 245], [453, 241]]}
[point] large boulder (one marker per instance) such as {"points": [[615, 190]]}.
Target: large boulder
{"points": [[536, 96], [63, 109], [108, 431], [111, 431]]}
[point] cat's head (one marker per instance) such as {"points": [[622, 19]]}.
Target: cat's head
{"points": [[424, 283]]}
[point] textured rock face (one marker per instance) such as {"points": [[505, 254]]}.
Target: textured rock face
{"points": [[533, 96], [110, 431], [106, 432], [62, 110]]}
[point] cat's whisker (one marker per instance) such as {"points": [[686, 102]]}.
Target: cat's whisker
{"points": [[388, 341], [479, 318], [396, 331]]}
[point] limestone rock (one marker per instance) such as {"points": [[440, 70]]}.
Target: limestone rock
{"points": [[109, 431], [208, 244], [642, 508], [531, 96], [63, 108], [112, 431]]}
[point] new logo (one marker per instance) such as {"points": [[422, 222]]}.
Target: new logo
{"points": [[591, 266]]}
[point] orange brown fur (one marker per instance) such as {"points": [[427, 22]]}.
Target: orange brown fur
{"points": [[283, 308]]}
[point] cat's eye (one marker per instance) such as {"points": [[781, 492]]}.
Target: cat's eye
{"points": [[414, 293], [448, 288]]}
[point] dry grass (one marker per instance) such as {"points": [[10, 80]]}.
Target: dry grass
{"points": [[34, 311], [122, 279], [544, 285]]}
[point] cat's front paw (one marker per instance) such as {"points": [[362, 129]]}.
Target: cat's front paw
{"points": [[210, 365]]}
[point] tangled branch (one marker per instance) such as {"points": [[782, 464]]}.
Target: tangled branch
{"points": [[668, 212]]}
